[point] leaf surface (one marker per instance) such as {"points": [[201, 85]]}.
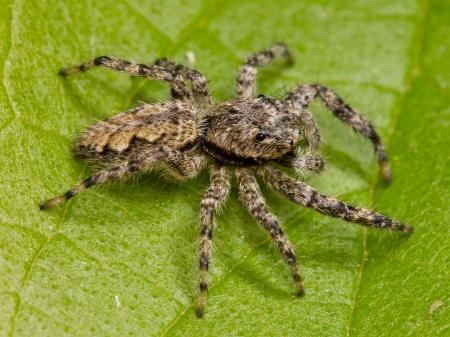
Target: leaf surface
{"points": [[122, 260]]}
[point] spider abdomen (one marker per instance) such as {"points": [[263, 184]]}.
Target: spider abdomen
{"points": [[149, 126]]}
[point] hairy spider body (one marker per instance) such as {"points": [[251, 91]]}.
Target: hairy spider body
{"points": [[246, 135]]}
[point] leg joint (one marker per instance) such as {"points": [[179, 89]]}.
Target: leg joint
{"points": [[69, 194], [206, 232], [203, 286], [204, 264], [89, 182], [101, 60]]}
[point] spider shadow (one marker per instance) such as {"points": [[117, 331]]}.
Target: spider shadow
{"points": [[266, 77], [258, 280], [182, 259], [242, 222], [138, 92], [341, 242], [387, 243], [345, 161], [72, 92]]}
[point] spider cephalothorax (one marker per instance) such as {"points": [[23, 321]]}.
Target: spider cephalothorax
{"points": [[250, 131], [245, 135]]}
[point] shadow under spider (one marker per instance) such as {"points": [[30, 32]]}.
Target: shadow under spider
{"points": [[345, 161]]}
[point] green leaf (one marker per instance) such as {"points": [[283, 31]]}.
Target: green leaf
{"points": [[122, 260]]}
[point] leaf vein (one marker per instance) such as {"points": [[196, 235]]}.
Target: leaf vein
{"points": [[29, 270], [6, 64]]}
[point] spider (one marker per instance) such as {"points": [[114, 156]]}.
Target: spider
{"points": [[248, 136]]}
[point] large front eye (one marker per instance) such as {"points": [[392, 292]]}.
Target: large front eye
{"points": [[260, 137]]}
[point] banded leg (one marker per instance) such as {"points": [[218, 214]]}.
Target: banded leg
{"points": [[301, 98], [307, 196], [246, 79], [135, 69], [304, 94], [253, 199], [98, 178], [214, 196], [144, 161], [199, 84]]}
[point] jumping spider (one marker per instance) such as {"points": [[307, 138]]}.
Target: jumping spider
{"points": [[246, 135]]}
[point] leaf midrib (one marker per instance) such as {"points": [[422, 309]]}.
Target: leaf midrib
{"points": [[413, 70]]}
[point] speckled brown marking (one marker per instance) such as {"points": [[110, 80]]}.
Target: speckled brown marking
{"points": [[249, 131], [172, 125], [244, 134]]}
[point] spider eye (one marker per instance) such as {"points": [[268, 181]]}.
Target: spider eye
{"points": [[261, 137]]}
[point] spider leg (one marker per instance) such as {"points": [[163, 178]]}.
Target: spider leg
{"points": [[305, 93], [253, 199], [199, 84], [177, 84], [183, 165], [307, 196], [246, 79], [214, 196], [142, 162], [303, 161], [98, 178]]}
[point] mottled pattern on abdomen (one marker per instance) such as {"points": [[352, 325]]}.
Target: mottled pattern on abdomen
{"points": [[170, 124]]}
